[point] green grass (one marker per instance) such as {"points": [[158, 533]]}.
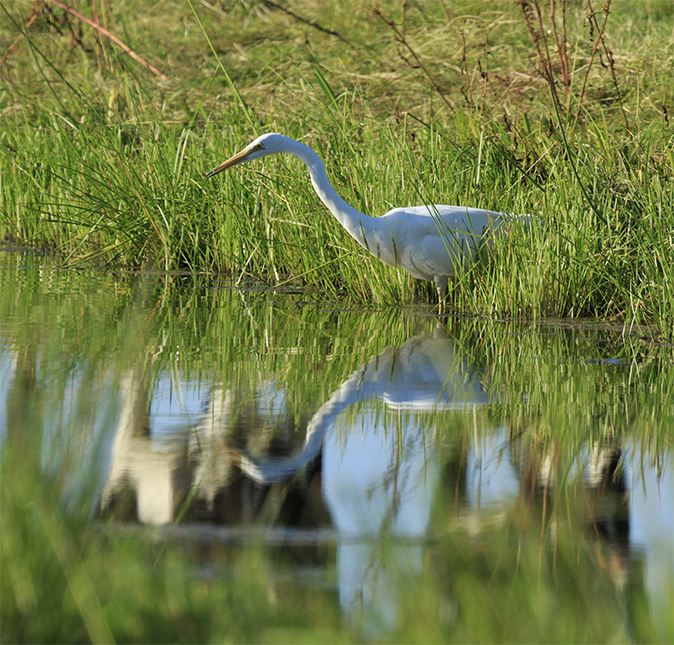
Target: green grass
{"points": [[105, 163]]}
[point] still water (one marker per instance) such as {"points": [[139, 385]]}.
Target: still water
{"points": [[443, 479]]}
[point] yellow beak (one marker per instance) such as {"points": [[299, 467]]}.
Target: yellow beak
{"points": [[238, 158]]}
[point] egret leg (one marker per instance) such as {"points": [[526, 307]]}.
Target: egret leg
{"points": [[441, 288]]}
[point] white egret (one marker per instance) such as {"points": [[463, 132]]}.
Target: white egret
{"points": [[428, 242]]}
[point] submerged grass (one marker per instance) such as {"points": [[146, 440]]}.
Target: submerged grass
{"points": [[435, 104]]}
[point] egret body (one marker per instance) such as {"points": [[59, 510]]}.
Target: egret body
{"points": [[428, 242]]}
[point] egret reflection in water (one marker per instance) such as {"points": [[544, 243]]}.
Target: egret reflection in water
{"points": [[380, 467]]}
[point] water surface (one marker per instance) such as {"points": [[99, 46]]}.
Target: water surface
{"points": [[407, 477]]}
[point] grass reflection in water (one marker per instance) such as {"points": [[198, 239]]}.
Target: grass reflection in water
{"points": [[189, 464]]}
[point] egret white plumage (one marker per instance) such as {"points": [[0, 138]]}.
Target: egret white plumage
{"points": [[429, 242]]}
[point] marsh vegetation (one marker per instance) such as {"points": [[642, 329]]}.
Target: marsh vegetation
{"points": [[496, 105]]}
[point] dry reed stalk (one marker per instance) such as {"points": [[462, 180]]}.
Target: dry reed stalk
{"points": [[538, 36], [34, 13], [402, 42], [99, 48], [561, 50], [311, 23], [108, 35], [484, 73], [606, 10]]}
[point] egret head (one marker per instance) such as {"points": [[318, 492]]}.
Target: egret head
{"points": [[267, 144]]}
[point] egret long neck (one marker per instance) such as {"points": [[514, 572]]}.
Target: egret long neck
{"points": [[360, 227]]}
